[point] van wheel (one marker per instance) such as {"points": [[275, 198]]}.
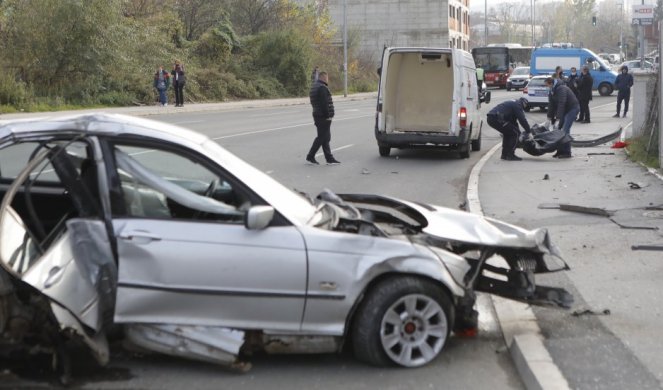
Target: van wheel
{"points": [[605, 89], [464, 149], [508, 89], [526, 108], [476, 143], [384, 151], [543, 108]]}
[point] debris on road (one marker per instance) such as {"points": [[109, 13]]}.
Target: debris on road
{"points": [[546, 177], [633, 227], [577, 209], [600, 154], [634, 186], [578, 313], [365, 172], [647, 247], [596, 141]]}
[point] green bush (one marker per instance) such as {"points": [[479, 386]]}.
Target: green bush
{"points": [[12, 92]]}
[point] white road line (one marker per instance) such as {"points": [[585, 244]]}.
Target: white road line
{"points": [[336, 149], [284, 127], [187, 122]]}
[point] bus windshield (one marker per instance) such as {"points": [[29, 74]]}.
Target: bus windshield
{"points": [[491, 59]]}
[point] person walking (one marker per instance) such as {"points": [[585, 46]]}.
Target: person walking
{"points": [[161, 83], [585, 84], [323, 112], [179, 80], [504, 118], [563, 107], [623, 84]]}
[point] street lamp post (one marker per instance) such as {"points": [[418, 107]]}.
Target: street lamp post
{"points": [[485, 23], [345, 48], [621, 33], [532, 3]]}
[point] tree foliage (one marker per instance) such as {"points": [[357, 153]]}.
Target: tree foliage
{"points": [[106, 51]]}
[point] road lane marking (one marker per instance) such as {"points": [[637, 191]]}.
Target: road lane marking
{"points": [[284, 128], [336, 149]]}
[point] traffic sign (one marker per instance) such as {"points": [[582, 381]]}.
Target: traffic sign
{"points": [[642, 22]]}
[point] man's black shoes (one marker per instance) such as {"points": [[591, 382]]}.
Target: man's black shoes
{"points": [[333, 161], [564, 156], [312, 161], [511, 158]]}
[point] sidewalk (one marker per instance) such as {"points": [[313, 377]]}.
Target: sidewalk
{"points": [[592, 349], [190, 107]]}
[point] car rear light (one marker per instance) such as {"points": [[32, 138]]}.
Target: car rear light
{"points": [[525, 90], [462, 116]]}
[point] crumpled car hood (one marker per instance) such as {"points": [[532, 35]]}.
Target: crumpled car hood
{"points": [[463, 227]]}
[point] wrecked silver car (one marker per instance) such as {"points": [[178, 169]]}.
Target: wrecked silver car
{"points": [[111, 221]]}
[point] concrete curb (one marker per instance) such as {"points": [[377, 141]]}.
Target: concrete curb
{"points": [[522, 334]]}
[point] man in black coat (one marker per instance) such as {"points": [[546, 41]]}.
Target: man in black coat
{"points": [[323, 112], [623, 84], [585, 83], [564, 107], [504, 118]]}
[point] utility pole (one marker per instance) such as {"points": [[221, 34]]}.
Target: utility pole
{"points": [[345, 48], [621, 32], [533, 2], [485, 23]]}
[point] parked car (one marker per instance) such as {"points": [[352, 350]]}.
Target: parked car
{"points": [[635, 65], [112, 221], [518, 78], [536, 93]]}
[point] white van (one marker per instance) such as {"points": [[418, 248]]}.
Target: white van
{"points": [[428, 97]]}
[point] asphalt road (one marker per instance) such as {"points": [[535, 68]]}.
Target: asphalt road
{"points": [[276, 141]]}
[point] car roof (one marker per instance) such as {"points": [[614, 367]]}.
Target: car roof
{"points": [[99, 124]]}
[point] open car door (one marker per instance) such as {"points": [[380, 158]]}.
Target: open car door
{"points": [[69, 260]]}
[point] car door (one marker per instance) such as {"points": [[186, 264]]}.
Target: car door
{"points": [[185, 255]]}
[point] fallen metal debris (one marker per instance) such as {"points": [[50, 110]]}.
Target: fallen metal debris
{"points": [[634, 186], [647, 247], [546, 177], [577, 209], [600, 154], [633, 227], [578, 313], [597, 141], [365, 172]]}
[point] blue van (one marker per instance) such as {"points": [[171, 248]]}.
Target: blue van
{"points": [[544, 61]]}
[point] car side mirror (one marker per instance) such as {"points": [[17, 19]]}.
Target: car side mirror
{"points": [[258, 217], [485, 97]]}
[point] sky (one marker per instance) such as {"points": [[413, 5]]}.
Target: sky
{"points": [[478, 5]]}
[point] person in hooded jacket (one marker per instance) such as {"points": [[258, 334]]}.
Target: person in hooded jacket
{"points": [[179, 80], [623, 84], [564, 107], [585, 84], [323, 112]]}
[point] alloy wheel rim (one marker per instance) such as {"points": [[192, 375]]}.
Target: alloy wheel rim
{"points": [[413, 330]]}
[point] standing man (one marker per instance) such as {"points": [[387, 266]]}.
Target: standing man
{"points": [[572, 81], [323, 112], [161, 83], [623, 83], [179, 79], [504, 118], [585, 83], [564, 107], [480, 78]]}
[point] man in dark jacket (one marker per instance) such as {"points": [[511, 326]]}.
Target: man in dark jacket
{"points": [[564, 107], [323, 112], [623, 84], [585, 83], [179, 80], [504, 118]]}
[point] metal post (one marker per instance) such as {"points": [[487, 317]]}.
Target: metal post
{"points": [[485, 23], [532, 3], [641, 39], [621, 32], [345, 48]]}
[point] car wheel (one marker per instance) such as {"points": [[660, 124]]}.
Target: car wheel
{"points": [[508, 89], [403, 321], [526, 108], [543, 108], [605, 89], [384, 151], [476, 143]]}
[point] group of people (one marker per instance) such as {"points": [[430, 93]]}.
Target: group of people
{"points": [[162, 81], [568, 103]]}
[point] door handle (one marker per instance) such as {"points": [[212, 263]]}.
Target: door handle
{"points": [[139, 235]]}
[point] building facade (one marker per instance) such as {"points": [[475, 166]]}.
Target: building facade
{"points": [[379, 23]]}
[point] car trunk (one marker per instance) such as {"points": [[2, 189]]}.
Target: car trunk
{"points": [[419, 92]]}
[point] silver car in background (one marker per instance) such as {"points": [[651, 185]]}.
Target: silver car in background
{"points": [[112, 221]]}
